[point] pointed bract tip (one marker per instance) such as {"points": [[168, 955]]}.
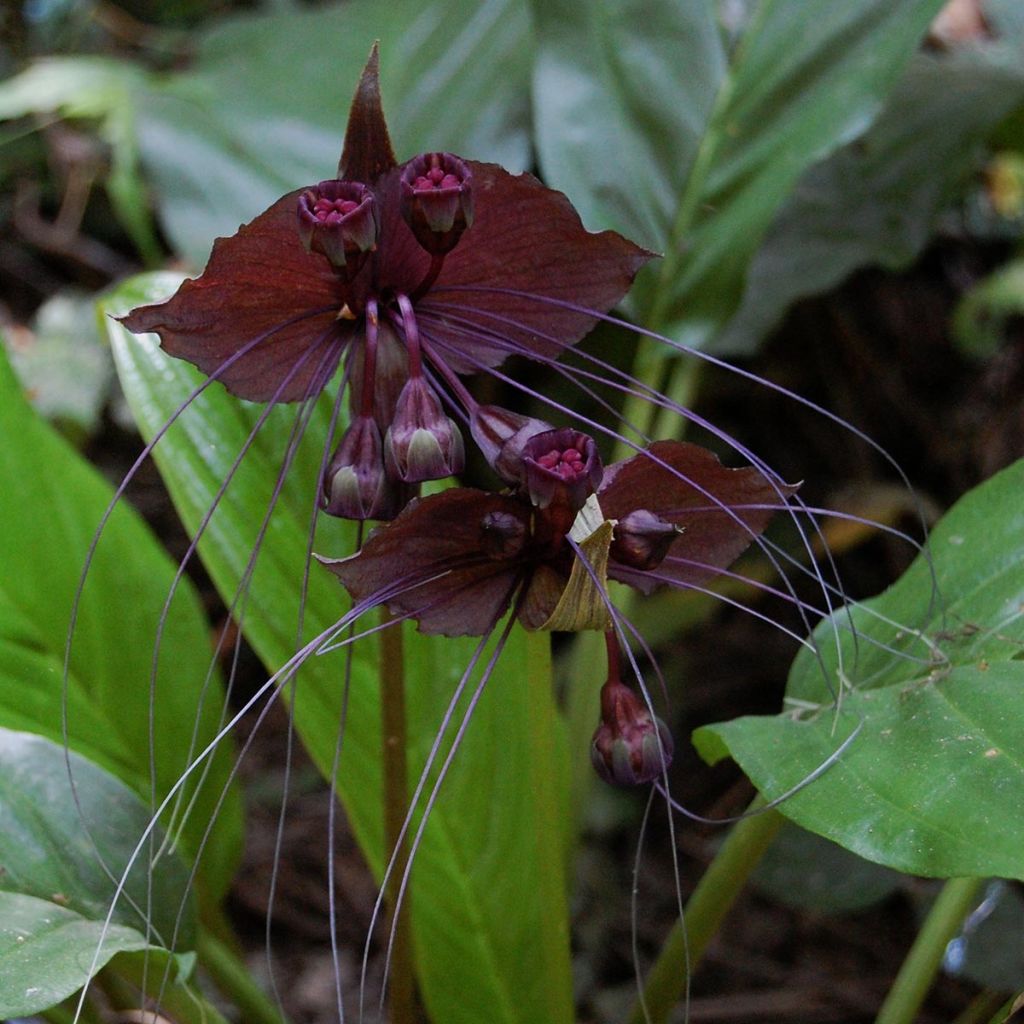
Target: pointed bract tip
{"points": [[367, 152]]}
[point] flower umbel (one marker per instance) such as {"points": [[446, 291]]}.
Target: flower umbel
{"points": [[392, 253]]}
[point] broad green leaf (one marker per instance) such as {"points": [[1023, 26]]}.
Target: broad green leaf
{"points": [[71, 846], [50, 506], [877, 201], [488, 897], [688, 135], [264, 107], [46, 952], [932, 783]]}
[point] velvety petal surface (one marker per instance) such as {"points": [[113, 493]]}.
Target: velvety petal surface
{"points": [[367, 151], [258, 282], [526, 238], [437, 540], [687, 485]]}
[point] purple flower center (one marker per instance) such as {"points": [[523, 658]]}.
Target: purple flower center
{"points": [[435, 178], [568, 464], [330, 211]]}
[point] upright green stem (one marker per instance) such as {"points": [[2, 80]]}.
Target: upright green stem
{"points": [[715, 894], [923, 961], [402, 984], [231, 976]]}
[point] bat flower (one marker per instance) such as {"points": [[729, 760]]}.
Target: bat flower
{"points": [[457, 561], [382, 268]]}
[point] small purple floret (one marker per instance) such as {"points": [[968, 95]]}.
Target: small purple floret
{"points": [[437, 200], [339, 220], [422, 443], [560, 467]]}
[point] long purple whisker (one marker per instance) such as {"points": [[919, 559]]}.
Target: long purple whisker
{"points": [[421, 782], [271, 684], [294, 440], [757, 539], [442, 773], [725, 365]]}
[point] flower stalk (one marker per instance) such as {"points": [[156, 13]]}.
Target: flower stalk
{"points": [[918, 970], [402, 983]]}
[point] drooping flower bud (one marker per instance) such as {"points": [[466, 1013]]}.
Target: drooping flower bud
{"points": [[502, 535], [390, 372], [437, 200], [355, 485], [500, 435], [631, 746], [642, 539], [560, 467], [339, 220], [422, 443]]}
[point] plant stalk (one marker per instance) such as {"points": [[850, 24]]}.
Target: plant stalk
{"points": [[714, 896], [402, 983], [922, 964], [233, 979]]}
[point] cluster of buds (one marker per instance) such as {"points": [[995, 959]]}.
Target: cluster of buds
{"points": [[400, 434]]}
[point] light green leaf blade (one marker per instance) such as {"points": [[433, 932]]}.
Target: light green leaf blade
{"points": [[50, 507], [932, 783], [46, 952], [73, 846], [488, 897], [659, 125], [263, 109]]}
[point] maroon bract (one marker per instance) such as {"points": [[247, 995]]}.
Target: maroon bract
{"points": [[455, 561], [342, 268]]}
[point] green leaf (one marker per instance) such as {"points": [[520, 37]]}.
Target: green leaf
{"points": [[46, 952], [72, 846], [877, 201], [50, 506], [930, 785], [657, 124], [488, 895], [264, 107], [62, 853]]}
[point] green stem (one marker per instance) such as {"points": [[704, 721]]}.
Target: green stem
{"points": [[919, 969], [230, 975], [402, 983], [715, 894], [983, 1006]]}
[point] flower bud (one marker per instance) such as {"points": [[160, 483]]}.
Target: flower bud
{"points": [[437, 200], [339, 220], [422, 443], [500, 436], [631, 746], [642, 539], [560, 467], [502, 535], [355, 485]]}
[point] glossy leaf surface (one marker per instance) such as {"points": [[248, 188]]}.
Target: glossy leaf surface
{"points": [[931, 784], [687, 135], [61, 859], [50, 507]]}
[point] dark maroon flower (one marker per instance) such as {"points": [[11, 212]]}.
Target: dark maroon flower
{"points": [[437, 200], [456, 561], [338, 219], [631, 745], [394, 252]]}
